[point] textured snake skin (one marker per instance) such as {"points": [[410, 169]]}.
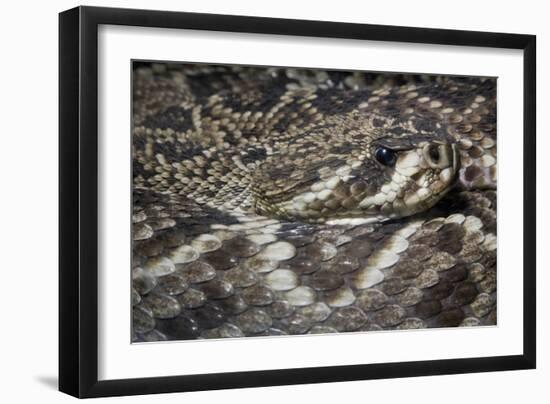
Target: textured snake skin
{"points": [[274, 201]]}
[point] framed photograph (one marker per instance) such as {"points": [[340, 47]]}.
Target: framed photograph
{"points": [[251, 201]]}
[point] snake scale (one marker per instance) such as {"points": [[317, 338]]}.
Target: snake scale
{"points": [[281, 201]]}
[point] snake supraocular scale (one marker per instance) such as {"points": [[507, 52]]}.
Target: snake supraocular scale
{"points": [[273, 201]]}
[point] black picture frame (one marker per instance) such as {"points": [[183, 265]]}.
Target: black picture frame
{"points": [[78, 196]]}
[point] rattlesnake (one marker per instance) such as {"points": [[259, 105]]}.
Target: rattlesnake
{"points": [[275, 201]]}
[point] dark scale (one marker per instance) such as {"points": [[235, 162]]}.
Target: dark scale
{"points": [[173, 117], [335, 102]]}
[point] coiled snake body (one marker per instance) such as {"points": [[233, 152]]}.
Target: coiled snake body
{"points": [[274, 201]]}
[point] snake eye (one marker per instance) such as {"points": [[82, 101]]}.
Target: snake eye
{"points": [[385, 156]]}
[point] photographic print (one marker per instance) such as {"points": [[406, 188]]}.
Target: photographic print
{"points": [[276, 201]]}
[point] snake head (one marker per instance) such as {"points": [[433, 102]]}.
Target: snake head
{"points": [[386, 178]]}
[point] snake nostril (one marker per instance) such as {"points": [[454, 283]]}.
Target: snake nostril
{"points": [[433, 152]]}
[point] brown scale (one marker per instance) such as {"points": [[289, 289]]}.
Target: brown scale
{"points": [[317, 280], [435, 304]]}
